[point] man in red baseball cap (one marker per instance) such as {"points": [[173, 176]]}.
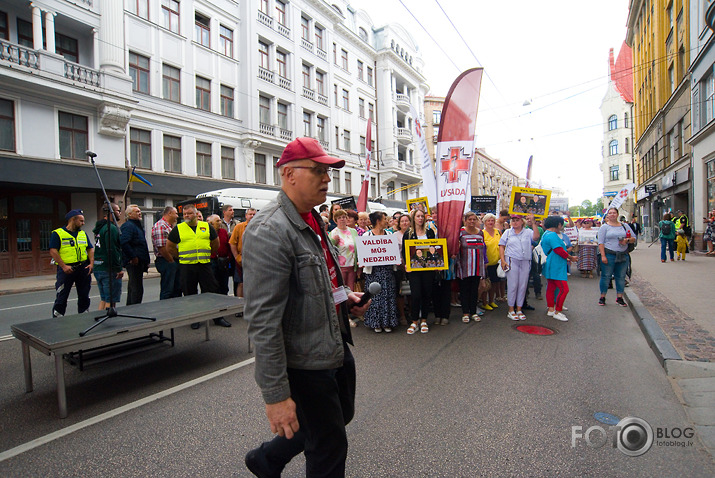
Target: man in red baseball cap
{"points": [[298, 320]]}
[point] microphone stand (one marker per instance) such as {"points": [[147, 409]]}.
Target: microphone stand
{"points": [[112, 309]]}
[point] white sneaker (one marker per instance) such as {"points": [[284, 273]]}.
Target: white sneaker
{"points": [[480, 312], [387, 329], [378, 330], [550, 313], [560, 316], [564, 308]]}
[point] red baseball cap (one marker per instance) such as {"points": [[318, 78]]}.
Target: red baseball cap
{"points": [[308, 148]]}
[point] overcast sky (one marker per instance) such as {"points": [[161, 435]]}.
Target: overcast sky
{"points": [[553, 53]]}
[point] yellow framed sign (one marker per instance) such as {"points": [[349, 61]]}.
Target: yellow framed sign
{"points": [[426, 255], [525, 201], [418, 203]]}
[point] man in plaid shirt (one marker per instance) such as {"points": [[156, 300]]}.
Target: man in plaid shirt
{"points": [[167, 265]]}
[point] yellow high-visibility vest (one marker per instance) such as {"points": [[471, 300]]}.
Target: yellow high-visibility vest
{"points": [[194, 247], [72, 249]]}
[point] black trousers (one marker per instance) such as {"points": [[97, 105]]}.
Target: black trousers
{"points": [[193, 275], [82, 279], [325, 403], [469, 289], [135, 285], [421, 284], [442, 298]]}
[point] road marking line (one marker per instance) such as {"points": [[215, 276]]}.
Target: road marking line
{"points": [[6, 337], [117, 411], [48, 303]]}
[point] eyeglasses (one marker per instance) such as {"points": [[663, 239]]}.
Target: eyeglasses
{"points": [[319, 171]]}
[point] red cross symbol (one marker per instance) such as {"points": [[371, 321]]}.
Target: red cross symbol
{"points": [[624, 193], [454, 164]]}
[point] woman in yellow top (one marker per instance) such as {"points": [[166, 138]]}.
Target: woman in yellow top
{"points": [[491, 239]]}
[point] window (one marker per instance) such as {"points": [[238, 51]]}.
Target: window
{"points": [[362, 146], [172, 154], [627, 146], [613, 148], [335, 49], [260, 161], [614, 173], [346, 100], [7, 125], [321, 129], [612, 122], [436, 117], [282, 61], [306, 76], [139, 8], [276, 171], [226, 101], [305, 28], [283, 116], [335, 90], [628, 171], [264, 110], [336, 180], [171, 83], [709, 98], [362, 33], [369, 76], [346, 139], [226, 41], [140, 148], [344, 59], [373, 187], [361, 107], [170, 15], [203, 159], [263, 53], [24, 33], [74, 135], [202, 28], [280, 12], [671, 78], [403, 187], [307, 125], [4, 28], [372, 148], [139, 71], [263, 6], [371, 111], [203, 94], [391, 190], [625, 120], [337, 137], [67, 47], [360, 67], [348, 182], [228, 163], [319, 37], [320, 82]]}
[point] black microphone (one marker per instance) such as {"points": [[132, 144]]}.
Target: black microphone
{"points": [[373, 289]]}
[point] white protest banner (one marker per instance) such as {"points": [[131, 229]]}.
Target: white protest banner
{"points": [[378, 250], [588, 237]]}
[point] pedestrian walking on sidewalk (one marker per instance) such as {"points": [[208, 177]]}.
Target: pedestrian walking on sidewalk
{"points": [[613, 240], [667, 236]]}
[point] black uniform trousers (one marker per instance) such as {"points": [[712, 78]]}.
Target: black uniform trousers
{"points": [[82, 280]]}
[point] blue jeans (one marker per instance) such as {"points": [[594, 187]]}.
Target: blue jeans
{"points": [[170, 284], [103, 286], [670, 243], [615, 269]]}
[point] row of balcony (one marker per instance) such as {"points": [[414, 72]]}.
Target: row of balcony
{"points": [[267, 20], [276, 131]]}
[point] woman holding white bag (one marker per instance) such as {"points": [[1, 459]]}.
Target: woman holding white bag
{"points": [[515, 248]]}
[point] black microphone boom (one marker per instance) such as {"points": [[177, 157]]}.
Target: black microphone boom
{"points": [[373, 289]]}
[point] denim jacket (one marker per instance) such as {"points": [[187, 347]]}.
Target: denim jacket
{"points": [[290, 310]]}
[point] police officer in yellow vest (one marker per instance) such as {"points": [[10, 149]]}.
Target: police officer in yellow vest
{"points": [[73, 253], [193, 242]]}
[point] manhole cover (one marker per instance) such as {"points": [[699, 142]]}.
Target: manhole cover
{"points": [[606, 418], [535, 330]]}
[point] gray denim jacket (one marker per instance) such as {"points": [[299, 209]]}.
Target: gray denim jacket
{"points": [[290, 310]]}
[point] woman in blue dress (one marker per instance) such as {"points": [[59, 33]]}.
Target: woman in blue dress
{"points": [[555, 269], [382, 314]]}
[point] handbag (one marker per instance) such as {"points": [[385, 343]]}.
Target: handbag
{"points": [[405, 287], [500, 272], [484, 285]]}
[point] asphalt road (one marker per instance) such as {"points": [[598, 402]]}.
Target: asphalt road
{"points": [[464, 400]]}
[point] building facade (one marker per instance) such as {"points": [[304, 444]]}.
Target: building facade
{"points": [[702, 141], [659, 34], [197, 95], [617, 113]]}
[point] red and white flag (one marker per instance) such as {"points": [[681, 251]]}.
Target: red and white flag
{"points": [[455, 154], [622, 195], [429, 183], [362, 199]]}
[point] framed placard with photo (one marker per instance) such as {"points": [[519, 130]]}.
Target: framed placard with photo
{"points": [[426, 255], [588, 237], [418, 203], [484, 204], [525, 201], [348, 202]]}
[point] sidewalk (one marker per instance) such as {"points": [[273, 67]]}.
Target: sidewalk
{"points": [[47, 282], [670, 302]]}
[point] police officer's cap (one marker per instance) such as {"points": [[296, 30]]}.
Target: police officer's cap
{"points": [[73, 213]]}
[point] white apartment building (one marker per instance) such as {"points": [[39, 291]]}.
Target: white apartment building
{"points": [[198, 95], [617, 113]]}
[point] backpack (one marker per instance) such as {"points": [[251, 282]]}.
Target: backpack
{"points": [[665, 228]]}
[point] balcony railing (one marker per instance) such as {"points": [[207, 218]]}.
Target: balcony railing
{"points": [[82, 74], [265, 74], [267, 129], [308, 93], [306, 44], [403, 135], [322, 99], [284, 82], [402, 102], [265, 19], [324, 144], [322, 54], [285, 134], [283, 30], [18, 54]]}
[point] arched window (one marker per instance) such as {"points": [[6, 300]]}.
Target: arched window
{"points": [[613, 148], [628, 145], [625, 120], [612, 122], [362, 33]]}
